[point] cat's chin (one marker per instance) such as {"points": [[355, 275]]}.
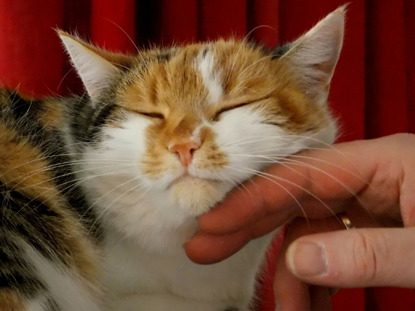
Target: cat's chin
{"points": [[197, 195]]}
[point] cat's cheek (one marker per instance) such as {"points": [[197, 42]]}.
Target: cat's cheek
{"points": [[126, 143], [248, 142], [327, 135]]}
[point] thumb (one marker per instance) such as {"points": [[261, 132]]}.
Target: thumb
{"points": [[355, 258]]}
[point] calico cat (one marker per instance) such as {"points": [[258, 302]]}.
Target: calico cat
{"points": [[99, 192]]}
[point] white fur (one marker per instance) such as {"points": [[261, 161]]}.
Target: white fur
{"points": [[36, 304], [170, 281], [251, 145], [66, 288], [211, 76]]}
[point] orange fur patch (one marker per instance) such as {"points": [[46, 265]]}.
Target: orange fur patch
{"points": [[11, 300], [22, 167], [51, 114]]}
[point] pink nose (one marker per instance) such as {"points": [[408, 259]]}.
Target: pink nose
{"points": [[185, 151]]}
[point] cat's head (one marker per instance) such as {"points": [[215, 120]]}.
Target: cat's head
{"points": [[192, 122]]}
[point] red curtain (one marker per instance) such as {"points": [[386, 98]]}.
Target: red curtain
{"points": [[373, 90]]}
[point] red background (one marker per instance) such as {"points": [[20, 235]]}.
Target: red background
{"points": [[373, 90]]}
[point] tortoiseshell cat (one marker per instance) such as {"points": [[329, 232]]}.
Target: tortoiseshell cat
{"points": [[98, 193]]}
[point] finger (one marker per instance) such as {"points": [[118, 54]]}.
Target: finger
{"points": [[290, 292], [325, 174], [297, 298], [355, 258], [265, 225], [246, 206], [207, 249]]}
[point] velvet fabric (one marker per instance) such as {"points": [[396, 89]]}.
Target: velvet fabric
{"points": [[372, 94]]}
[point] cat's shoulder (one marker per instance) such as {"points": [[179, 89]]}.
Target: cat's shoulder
{"points": [[19, 110], [29, 138]]}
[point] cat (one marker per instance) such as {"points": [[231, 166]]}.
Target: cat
{"points": [[100, 192]]}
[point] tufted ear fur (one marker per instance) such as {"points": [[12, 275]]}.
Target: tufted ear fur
{"points": [[314, 56], [97, 68]]}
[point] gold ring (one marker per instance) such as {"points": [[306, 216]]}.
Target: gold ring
{"points": [[346, 221]]}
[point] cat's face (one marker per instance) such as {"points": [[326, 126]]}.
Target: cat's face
{"points": [[210, 116], [193, 122]]}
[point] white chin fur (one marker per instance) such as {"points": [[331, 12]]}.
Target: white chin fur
{"points": [[196, 196]]}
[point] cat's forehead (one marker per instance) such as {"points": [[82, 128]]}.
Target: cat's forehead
{"points": [[221, 50], [218, 57], [203, 74]]}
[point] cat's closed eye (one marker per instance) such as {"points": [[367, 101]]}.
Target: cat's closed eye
{"points": [[225, 109], [235, 106], [152, 115]]}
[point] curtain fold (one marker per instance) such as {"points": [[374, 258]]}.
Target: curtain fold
{"points": [[215, 19], [30, 56], [176, 24], [112, 24], [386, 96], [409, 17], [263, 21], [373, 89]]}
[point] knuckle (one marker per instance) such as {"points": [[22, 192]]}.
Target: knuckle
{"points": [[369, 252]]}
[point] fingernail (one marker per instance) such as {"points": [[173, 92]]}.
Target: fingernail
{"points": [[307, 259]]}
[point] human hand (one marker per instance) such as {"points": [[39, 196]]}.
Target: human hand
{"points": [[371, 180]]}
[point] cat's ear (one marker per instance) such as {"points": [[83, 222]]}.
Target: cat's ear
{"points": [[97, 68], [314, 56]]}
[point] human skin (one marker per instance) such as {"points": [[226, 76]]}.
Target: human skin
{"points": [[372, 181]]}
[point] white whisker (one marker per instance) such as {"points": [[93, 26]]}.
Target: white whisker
{"points": [[71, 183], [137, 186], [254, 172]]}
